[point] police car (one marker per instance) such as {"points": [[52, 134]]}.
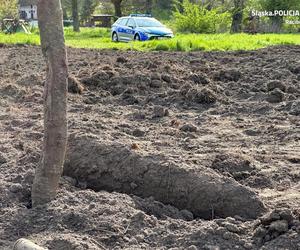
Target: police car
{"points": [[139, 27]]}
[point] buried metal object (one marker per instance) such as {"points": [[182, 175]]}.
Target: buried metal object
{"points": [[24, 244]]}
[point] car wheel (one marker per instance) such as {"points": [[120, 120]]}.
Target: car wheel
{"points": [[137, 37], [115, 37]]}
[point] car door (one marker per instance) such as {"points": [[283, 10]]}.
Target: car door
{"points": [[130, 30], [122, 29]]}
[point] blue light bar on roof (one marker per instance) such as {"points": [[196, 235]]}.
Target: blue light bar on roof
{"points": [[140, 15]]}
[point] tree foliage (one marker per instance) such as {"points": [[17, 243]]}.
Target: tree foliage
{"points": [[118, 7], [272, 5], [237, 16], [212, 15], [197, 18], [86, 9], [8, 9]]}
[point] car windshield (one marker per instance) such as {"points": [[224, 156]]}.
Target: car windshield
{"points": [[148, 22]]}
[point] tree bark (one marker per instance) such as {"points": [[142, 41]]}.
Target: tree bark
{"points": [[237, 16], [75, 16], [55, 102], [149, 4], [118, 7], [276, 24], [65, 14]]}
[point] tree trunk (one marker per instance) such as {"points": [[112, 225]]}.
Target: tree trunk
{"points": [[55, 102], [149, 4], [118, 7], [65, 14], [276, 24], [75, 16], [237, 16]]}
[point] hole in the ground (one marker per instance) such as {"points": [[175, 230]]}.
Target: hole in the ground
{"points": [[114, 167], [160, 210], [29, 204], [26, 200], [148, 205]]}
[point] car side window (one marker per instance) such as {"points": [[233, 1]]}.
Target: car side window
{"points": [[123, 21], [131, 23]]}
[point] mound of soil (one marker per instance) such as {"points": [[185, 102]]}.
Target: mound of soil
{"points": [[107, 166], [175, 151]]}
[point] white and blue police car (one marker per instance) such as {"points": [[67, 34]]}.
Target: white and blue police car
{"points": [[139, 27]]}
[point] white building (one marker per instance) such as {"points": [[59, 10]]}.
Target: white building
{"points": [[28, 9]]}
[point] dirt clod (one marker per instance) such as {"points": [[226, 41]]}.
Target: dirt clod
{"points": [[199, 79], [189, 128], [276, 84], [74, 86], [295, 108], [274, 224], [228, 75], [160, 111], [138, 133], [237, 166], [202, 95], [232, 228], [167, 78], [279, 226], [2, 159], [121, 59], [275, 96], [156, 84]]}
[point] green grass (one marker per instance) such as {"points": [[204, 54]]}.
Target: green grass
{"points": [[99, 38]]}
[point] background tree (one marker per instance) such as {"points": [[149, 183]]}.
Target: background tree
{"points": [[75, 16], [237, 16], [88, 9], [105, 7], [55, 102], [149, 5], [162, 9], [67, 8], [118, 7], [272, 5]]}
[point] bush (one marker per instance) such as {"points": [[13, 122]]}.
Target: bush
{"points": [[197, 19]]}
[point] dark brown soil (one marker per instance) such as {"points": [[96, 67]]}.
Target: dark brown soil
{"points": [[220, 130]]}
